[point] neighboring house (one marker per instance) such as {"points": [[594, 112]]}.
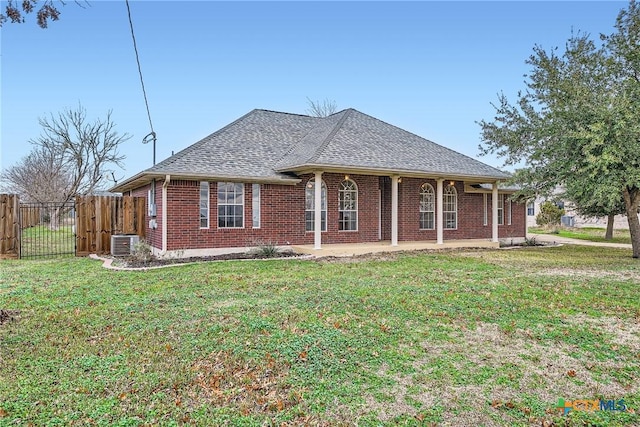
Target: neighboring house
{"points": [[255, 181], [571, 218]]}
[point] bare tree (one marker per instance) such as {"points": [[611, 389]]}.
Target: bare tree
{"points": [[87, 151], [321, 108], [46, 11], [38, 177], [72, 156]]}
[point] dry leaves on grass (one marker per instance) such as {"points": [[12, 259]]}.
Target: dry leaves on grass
{"points": [[252, 387]]}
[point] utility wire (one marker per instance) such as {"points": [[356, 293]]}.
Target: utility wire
{"points": [[144, 92]]}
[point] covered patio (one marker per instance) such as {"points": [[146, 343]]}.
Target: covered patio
{"points": [[350, 249]]}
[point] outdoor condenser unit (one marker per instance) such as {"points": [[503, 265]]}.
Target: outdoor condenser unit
{"points": [[123, 245]]}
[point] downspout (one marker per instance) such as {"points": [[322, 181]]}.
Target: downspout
{"points": [[165, 185]]}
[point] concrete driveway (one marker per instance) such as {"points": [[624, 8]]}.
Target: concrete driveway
{"points": [[553, 238]]}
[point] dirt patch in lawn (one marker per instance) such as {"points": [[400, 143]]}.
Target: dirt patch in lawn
{"points": [[620, 332], [8, 315], [595, 274], [499, 368]]}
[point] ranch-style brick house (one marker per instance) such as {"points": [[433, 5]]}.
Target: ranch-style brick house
{"points": [[255, 180]]}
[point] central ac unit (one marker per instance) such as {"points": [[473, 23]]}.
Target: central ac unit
{"points": [[123, 245]]}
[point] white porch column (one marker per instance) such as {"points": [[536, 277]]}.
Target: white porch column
{"points": [[439, 216], [394, 210], [494, 212], [317, 200]]}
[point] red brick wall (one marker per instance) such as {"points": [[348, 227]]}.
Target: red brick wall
{"points": [[470, 214], [154, 235], [282, 214]]}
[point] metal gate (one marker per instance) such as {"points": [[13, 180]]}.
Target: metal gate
{"points": [[47, 230]]}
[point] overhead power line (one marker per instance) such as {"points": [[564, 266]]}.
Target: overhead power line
{"points": [[151, 136]]}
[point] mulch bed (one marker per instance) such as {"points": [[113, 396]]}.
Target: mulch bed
{"points": [[130, 262]]}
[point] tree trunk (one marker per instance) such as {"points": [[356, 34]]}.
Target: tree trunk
{"points": [[54, 218], [609, 234], [632, 202]]}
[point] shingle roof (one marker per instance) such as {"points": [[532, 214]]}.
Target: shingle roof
{"points": [[247, 147], [361, 141], [267, 146]]}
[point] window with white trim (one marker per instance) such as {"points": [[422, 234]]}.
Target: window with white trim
{"points": [[204, 204], [508, 211], [450, 207], [531, 210], [427, 207], [255, 205], [348, 206], [230, 205], [485, 215], [310, 206], [500, 209]]}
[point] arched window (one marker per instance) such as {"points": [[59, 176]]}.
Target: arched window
{"points": [[450, 208], [309, 206], [348, 206], [427, 207]]}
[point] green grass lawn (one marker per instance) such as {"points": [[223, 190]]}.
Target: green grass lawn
{"points": [[484, 337], [40, 242], [593, 234]]}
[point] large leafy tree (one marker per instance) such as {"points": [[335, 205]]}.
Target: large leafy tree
{"points": [[15, 12], [577, 124], [593, 207]]}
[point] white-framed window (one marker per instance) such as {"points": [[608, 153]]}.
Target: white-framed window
{"points": [[531, 210], [255, 205], [508, 211], [310, 206], [450, 207], [348, 206], [485, 214], [151, 200], [204, 204], [427, 207], [500, 209], [230, 205]]}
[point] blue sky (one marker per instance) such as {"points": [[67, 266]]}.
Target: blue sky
{"points": [[432, 68]]}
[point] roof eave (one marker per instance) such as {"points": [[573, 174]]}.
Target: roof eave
{"points": [[146, 177], [310, 168]]}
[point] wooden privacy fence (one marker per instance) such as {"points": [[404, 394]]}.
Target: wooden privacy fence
{"points": [[96, 219], [100, 217], [29, 216], [9, 226]]}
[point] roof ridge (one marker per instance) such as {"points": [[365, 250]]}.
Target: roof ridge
{"points": [[295, 145], [346, 112], [428, 140], [282, 112]]}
